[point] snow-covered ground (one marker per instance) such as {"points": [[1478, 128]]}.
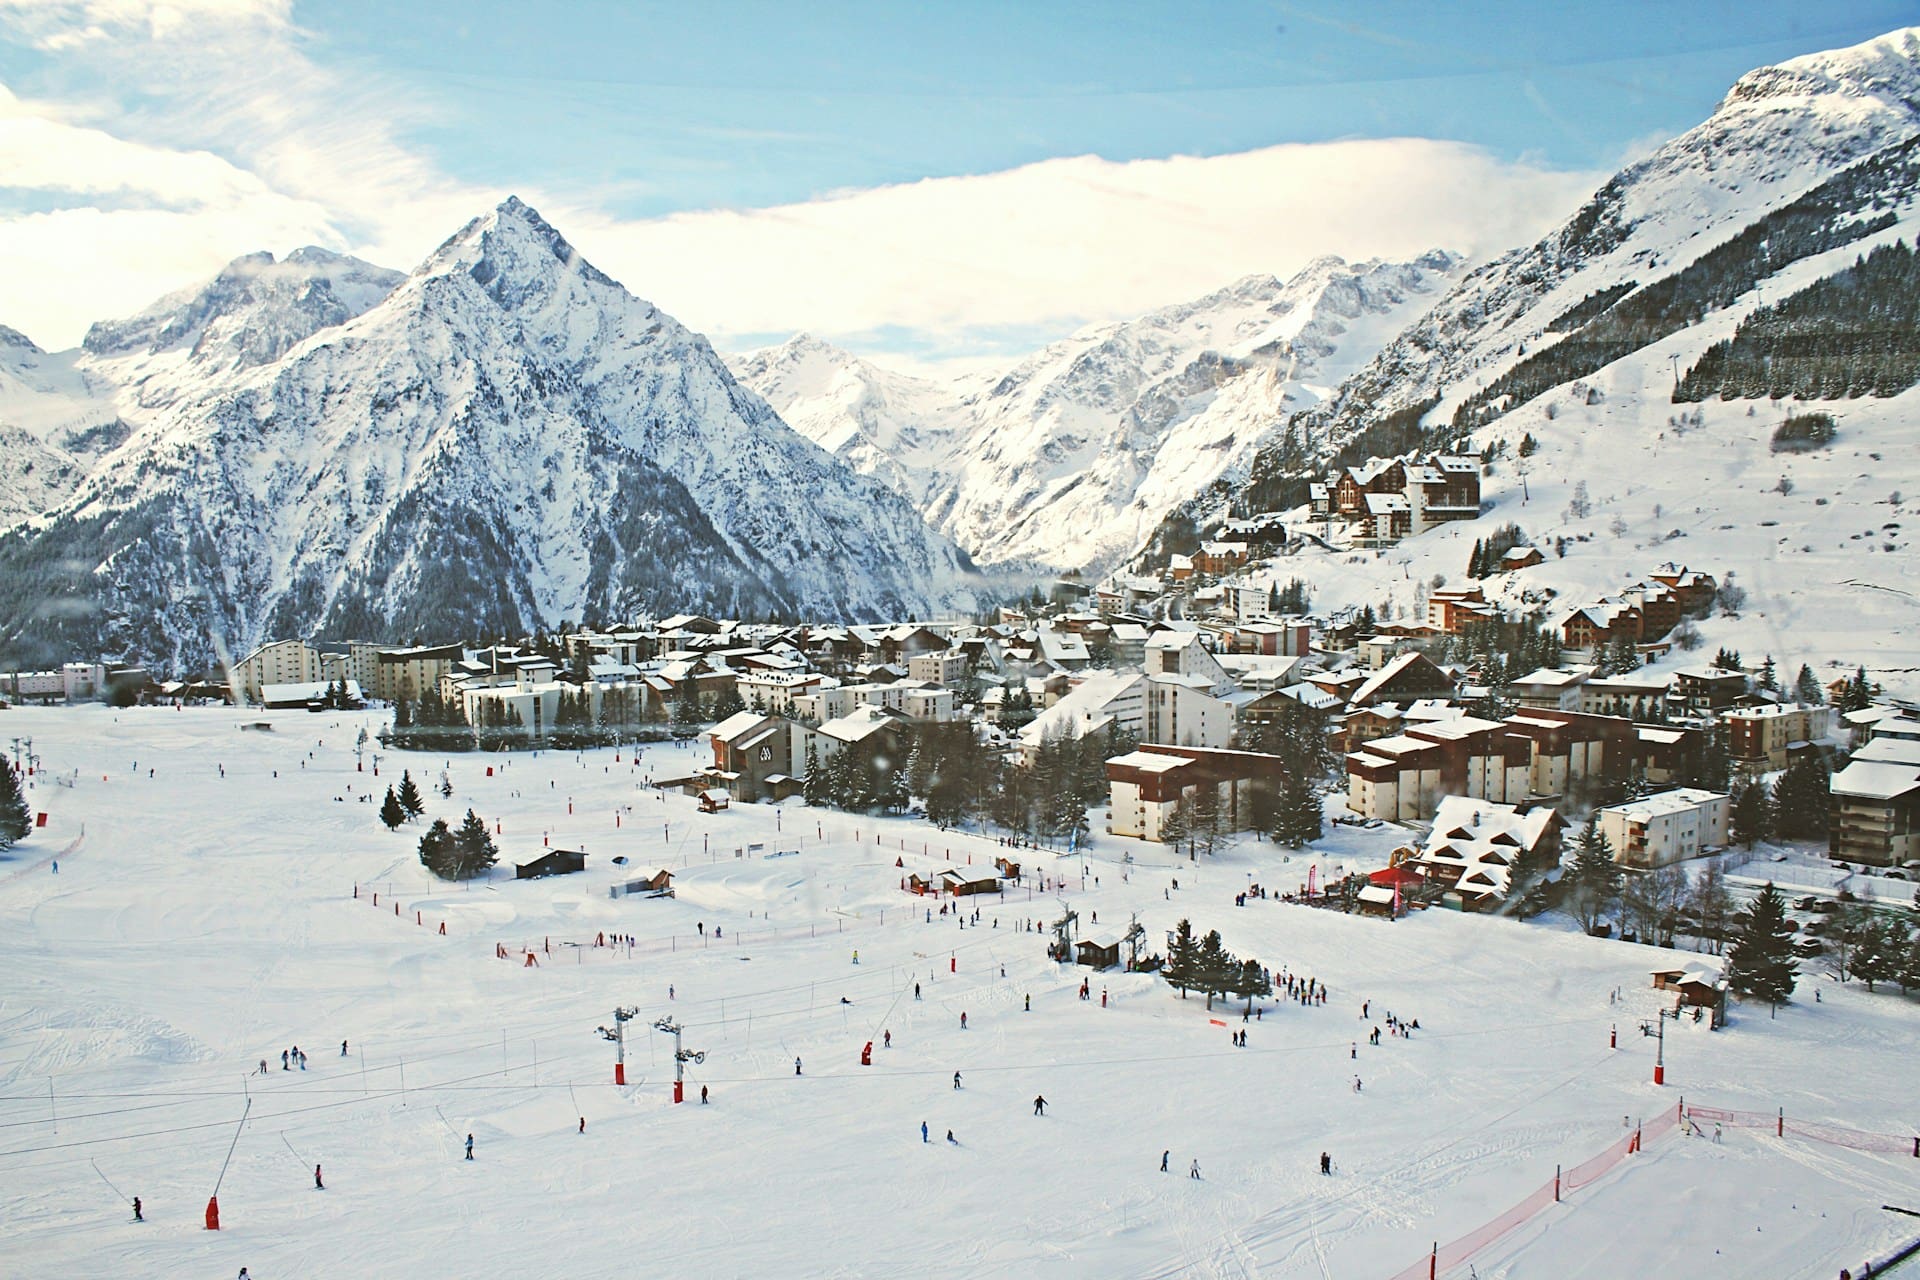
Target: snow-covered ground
{"points": [[202, 923]]}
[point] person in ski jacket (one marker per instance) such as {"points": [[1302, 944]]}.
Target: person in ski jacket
{"points": [[469, 1146], [1039, 1105], [317, 1184]]}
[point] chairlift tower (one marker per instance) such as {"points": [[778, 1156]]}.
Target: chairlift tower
{"points": [[618, 1034], [681, 1057], [1658, 1030]]}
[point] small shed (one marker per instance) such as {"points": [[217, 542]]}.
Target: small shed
{"points": [[1376, 900], [1098, 953], [1008, 868], [963, 883], [560, 862], [1693, 986], [713, 800], [657, 885]]}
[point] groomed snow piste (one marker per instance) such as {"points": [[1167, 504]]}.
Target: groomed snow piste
{"points": [[202, 923]]}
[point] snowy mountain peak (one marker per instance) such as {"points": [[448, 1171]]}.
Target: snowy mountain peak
{"points": [[1886, 67], [251, 313], [513, 253], [1068, 458], [14, 339]]}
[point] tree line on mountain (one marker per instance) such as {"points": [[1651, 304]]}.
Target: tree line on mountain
{"points": [[1825, 218], [1856, 333]]}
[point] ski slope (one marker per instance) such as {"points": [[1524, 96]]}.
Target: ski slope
{"points": [[201, 923]]}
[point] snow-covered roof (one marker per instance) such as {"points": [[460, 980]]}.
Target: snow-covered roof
{"points": [[1150, 761], [1679, 800], [305, 691], [1890, 751], [1876, 780], [1087, 708], [1384, 675]]}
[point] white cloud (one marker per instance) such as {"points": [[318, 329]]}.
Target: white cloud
{"points": [[232, 139], [1070, 241]]}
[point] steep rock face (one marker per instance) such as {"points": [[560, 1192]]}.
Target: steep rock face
{"points": [[1068, 459], [508, 438], [1780, 132], [53, 427]]}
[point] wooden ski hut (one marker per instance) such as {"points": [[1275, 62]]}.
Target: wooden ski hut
{"points": [[1098, 953], [560, 862], [713, 800]]}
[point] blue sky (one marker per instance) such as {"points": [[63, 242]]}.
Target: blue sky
{"points": [[759, 168], [679, 106]]}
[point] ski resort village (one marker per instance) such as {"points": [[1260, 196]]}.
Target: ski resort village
{"points": [[1403, 766]]}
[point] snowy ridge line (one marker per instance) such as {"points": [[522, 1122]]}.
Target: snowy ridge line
{"points": [[1444, 1258]]}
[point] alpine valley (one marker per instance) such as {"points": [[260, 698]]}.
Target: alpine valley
{"points": [[506, 438]]}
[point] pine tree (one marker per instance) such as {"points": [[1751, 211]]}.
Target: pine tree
{"points": [[1802, 799], [474, 850], [1252, 982], [1214, 966], [1769, 678], [1806, 687], [392, 812], [1183, 954], [1881, 951], [1476, 562], [1596, 877], [1858, 695], [1299, 817], [1752, 814], [15, 820], [409, 795], [438, 852], [1760, 962]]}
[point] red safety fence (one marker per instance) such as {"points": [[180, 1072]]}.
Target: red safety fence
{"points": [[1443, 1258], [1786, 1126]]}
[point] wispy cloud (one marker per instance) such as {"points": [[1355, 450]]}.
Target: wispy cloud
{"points": [[178, 136]]}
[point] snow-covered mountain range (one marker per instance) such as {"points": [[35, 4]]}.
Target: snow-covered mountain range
{"points": [[1780, 132], [1576, 346], [1068, 459], [504, 438]]}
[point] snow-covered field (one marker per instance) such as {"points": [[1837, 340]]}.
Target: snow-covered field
{"points": [[202, 923]]}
